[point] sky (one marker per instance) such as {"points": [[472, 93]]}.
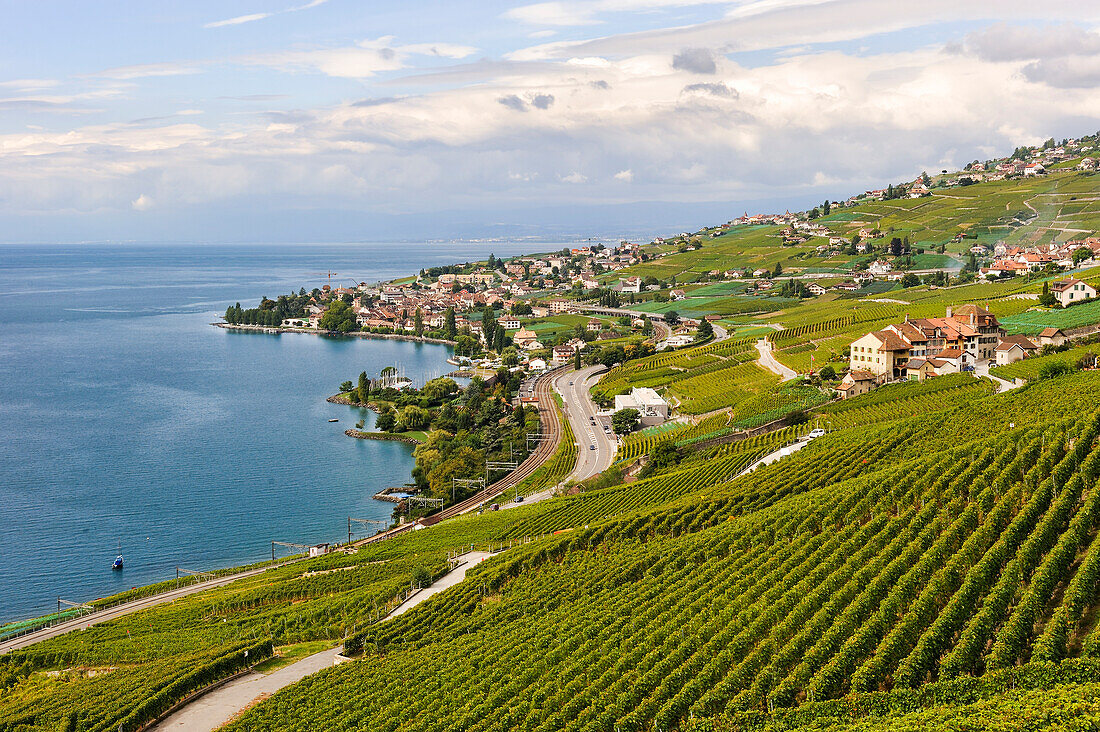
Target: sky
{"points": [[342, 120]]}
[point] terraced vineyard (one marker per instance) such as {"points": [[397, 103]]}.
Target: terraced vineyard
{"points": [[909, 399], [710, 390], [1030, 368], [1032, 322], [920, 550]]}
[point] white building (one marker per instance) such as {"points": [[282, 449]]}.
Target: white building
{"points": [[1069, 292], [651, 407]]}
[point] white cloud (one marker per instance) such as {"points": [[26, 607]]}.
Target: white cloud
{"points": [[552, 13], [139, 71], [364, 59], [241, 19], [586, 12], [582, 111], [29, 85]]}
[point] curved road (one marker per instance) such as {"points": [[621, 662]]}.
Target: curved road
{"points": [[767, 360], [595, 448]]}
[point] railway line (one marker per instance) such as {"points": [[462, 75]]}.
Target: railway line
{"points": [[548, 445]]}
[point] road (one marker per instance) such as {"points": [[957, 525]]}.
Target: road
{"points": [[134, 606], [767, 360], [212, 710], [982, 369], [581, 412]]}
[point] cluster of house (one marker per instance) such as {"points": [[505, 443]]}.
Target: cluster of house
{"points": [[581, 266], [1036, 162], [394, 305], [921, 348], [1009, 261]]}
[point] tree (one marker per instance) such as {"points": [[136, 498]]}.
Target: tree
{"points": [[340, 317], [778, 269], [625, 421], [489, 327], [672, 317], [362, 393], [438, 389], [704, 331], [825, 208], [509, 357], [414, 418], [346, 386], [910, 280], [1080, 255], [418, 323], [386, 421], [449, 330], [664, 455], [827, 372], [1047, 299]]}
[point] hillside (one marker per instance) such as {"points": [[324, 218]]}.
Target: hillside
{"points": [[931, 562], [880, 557]]}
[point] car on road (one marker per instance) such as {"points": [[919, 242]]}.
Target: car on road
{"points": [[591, 447], [570, 383], [517, 499], [818, 432]]}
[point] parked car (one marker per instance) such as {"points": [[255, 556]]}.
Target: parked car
{"points": [[818, 432], [591, 447]]}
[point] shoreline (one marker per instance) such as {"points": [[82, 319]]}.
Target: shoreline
{"points": [[381, 436], [276, 329], [341, 399]]}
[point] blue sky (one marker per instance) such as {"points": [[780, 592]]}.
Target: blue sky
{"points": [[331, 120]]}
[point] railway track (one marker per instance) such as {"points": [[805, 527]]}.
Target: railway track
{"points": [[548, 416]]}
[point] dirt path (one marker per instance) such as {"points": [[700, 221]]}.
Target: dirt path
{"points": [[210, 711], [767, 360]]}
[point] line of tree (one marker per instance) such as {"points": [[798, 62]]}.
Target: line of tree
{"points": [[271, 312]]}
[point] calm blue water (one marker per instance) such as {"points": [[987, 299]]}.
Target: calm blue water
{"points": [[125, 417]]}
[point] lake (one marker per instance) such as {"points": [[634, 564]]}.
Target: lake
{"points": [[127, 419]]}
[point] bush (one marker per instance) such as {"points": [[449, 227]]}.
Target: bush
{"points": [[1054, 370]]}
